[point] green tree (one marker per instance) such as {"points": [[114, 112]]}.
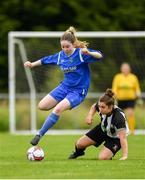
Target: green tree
{"points": [[55, 15]]}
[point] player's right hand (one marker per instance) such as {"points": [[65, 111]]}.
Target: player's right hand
{"points": [[28, 64]]}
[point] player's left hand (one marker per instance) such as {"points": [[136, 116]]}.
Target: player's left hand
{"points": [[123, 158], [84, 51]]}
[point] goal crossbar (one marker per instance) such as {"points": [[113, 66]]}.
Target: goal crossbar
{"points": [[26, 34]]}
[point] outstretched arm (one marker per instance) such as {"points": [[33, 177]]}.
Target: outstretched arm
{"points": [[32, 64], [91, 113], [94, 54], [124, 144]]}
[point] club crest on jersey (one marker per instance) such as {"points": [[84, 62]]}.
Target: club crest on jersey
{"points": [[70, 60]]}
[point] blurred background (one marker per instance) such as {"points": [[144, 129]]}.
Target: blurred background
{"points": [[84, 15]]}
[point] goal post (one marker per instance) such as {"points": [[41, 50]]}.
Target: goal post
{"points": [[12, 94], [21, 43]]}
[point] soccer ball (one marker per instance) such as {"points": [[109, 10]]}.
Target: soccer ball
{"points": [[35, 153]]}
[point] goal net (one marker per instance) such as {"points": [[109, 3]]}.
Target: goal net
{"points": [[27, 87]]}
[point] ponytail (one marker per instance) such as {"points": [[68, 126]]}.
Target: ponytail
{"points": [[70, 35]]}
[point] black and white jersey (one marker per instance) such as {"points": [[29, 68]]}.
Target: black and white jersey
{"points": [[113, 123]]}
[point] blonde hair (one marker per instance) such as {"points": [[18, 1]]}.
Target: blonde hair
{"points": [[69, 35]]}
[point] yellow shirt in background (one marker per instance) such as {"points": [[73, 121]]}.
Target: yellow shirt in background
{"points": [[126, 87]]}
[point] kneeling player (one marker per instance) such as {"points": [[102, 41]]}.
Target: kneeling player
{"points": [[112, 131]]}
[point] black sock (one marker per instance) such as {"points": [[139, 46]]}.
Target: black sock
{"points": [[79, 151]]}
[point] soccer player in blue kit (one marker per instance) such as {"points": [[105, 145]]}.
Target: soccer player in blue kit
{"points": [[73, 60]]}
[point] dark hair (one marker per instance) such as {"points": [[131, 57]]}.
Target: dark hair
{"points": [[108, 98], [69, 35]]}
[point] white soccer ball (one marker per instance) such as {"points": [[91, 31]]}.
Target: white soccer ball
{"points": [[35, 153]]}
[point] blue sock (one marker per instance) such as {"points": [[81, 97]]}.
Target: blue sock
{"points": [[49, 122]]}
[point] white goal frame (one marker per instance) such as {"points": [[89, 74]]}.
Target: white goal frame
{"points": [[13, 39]]}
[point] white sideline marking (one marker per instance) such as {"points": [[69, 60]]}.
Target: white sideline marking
{"points": [[68, 132]]}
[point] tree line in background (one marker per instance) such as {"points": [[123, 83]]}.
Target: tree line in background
{"points": [[50, 15]]}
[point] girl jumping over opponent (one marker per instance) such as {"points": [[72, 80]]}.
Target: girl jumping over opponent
{"points": [[73, 60]]}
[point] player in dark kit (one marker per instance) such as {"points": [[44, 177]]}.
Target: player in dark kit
{"points": [[73, 60], [112, 130]]}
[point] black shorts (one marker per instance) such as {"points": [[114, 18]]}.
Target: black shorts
{"points": [[97, 135], [123, 104]]}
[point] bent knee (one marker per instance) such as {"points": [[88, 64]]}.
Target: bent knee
{"points": [[104, 157], [58, 110], [42, 107]]}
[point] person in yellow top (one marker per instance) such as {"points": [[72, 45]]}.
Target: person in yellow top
{"points": [[126, 87]]}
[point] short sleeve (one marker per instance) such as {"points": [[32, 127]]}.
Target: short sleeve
{"points": [[89, 59], [120, 120], [97, 107], [52, 59]]}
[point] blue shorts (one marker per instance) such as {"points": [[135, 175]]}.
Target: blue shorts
{"points": [[75, 97]]}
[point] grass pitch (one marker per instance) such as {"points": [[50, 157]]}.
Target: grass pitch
{"points": [[14, 164]]}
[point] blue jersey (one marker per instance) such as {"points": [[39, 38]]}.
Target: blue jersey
{"points": [[75, 68]]}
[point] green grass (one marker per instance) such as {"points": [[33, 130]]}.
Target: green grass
{"points": [[14, 164]]}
